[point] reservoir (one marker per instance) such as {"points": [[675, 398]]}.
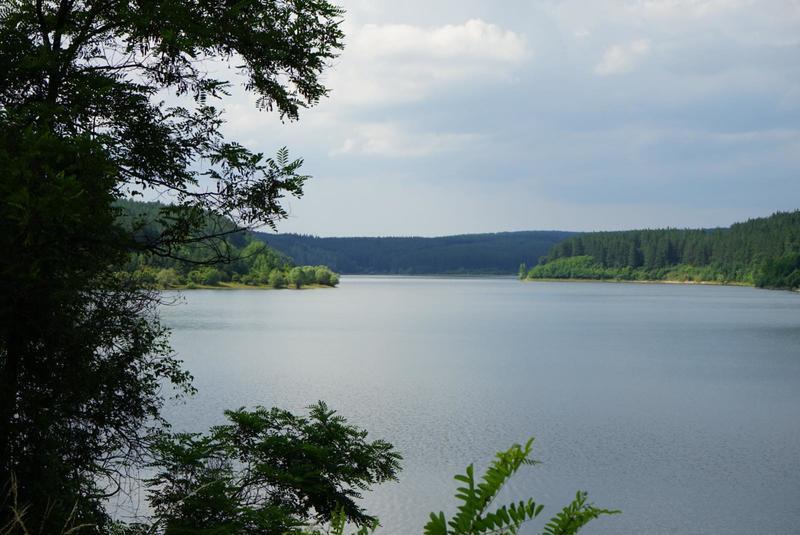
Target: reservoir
{"points": [[678, 404]]}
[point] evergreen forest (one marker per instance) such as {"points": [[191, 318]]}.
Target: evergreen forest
{"points": [[764, 252], [467, 254]]}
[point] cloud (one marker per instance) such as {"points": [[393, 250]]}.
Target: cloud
{"points": [[447, 104], [397, 63], [620, 59], [475, 40], [683, 9], [390, 140]]}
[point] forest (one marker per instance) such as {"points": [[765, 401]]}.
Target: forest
{"points": [[487, 254], [763, 252], [234, 259]]}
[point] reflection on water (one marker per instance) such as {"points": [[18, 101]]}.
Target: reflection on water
{"points": [[677, 404]]}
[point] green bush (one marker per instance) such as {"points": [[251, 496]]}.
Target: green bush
{"points": [[296, 277], [267, 471], [194, 277], [207, 276], [253, 264], [780, 272], [277, 279], [309, 274], [322, 275], [167, 278]]}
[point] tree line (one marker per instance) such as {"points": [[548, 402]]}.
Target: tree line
{"points": [[764, 252], [235, 258], [494, 253]]}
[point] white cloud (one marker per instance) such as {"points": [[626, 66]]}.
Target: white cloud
{"points": [[475, 40], [599, 13], [403, 63], [620, 59], [684, 9], [390, 140], [445, 111]]}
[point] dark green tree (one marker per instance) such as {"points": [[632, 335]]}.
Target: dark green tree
{"points": [[82, 355], [267, 471], [81, 358], [277, 279], [296, 277]]}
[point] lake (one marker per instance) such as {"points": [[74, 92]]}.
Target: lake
{"points": [[678, 404]]}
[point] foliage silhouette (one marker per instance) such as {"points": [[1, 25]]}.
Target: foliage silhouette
{"points": [[84, 362], [473, 516], [268, 471]]}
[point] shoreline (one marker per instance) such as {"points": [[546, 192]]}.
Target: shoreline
{"points": [[647, 281], [240, 286]]}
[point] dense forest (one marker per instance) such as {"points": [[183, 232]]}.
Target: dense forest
{"points": [[233, 258], [764, 252], [497, 253]]}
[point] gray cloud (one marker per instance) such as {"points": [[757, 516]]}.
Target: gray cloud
{"points": [[475, 116]]}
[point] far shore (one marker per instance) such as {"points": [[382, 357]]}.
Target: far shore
{"points": [[241, 286], [647, 281]]}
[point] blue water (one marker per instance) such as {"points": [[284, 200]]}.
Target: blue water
{"points": [[679, 405]]}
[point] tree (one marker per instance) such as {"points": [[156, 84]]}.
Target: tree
{"points": [[296, 277], [309, 274], [267, 471], [323, 275], [277, 279], [167, 278], [740, 253], [83, 358]]}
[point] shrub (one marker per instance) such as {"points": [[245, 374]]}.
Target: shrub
{"points": [[296, 277], [277, 279], [322, 275], [168, 278], [267, 471]]}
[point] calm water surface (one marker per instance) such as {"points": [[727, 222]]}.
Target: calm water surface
{"points": [[679, 405]]}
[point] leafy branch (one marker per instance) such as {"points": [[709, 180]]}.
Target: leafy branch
{"points": [[475, 518]]}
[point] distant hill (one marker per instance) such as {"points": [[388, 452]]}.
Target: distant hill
{"points": [[498, 253]]}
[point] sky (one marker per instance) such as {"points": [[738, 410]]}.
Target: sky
{"points": [[461, 116]]}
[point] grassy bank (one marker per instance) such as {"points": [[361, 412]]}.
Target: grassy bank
{"points": [[241, 286], [641, 281], [587, 268]]}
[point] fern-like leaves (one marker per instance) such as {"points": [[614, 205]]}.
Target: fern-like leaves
{"points": [[475, 499], [473, 516], [574, 516]]}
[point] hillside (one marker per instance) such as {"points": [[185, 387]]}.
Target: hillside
{"points": [[497, 253], [764, 252], [231, 259]]}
